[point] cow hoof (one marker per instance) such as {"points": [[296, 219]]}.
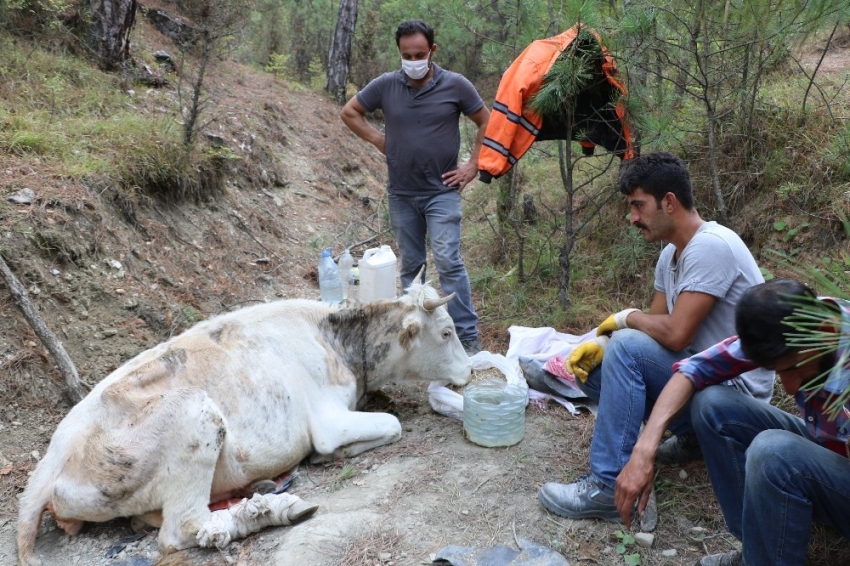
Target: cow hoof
{"points": [[300, 511], [263, 487], [213, 535]]}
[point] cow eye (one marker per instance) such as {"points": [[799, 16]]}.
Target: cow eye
{"points": [[447, 333]]}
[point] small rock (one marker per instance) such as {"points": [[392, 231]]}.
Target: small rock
{"points": [[24, 196], [55, 272], [698, 530], [683, 475], [669, 553], [215, 139], [385, 556], [465, 512], [36, 455], [131, 93], [645, 539]]}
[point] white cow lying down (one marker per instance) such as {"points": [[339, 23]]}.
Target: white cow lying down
{"points": [[237, 399]]}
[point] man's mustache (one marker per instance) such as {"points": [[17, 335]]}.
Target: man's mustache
{"points": [[641, 226]]}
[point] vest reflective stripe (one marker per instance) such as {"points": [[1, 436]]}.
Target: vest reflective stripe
{"points": [[513, 127]]}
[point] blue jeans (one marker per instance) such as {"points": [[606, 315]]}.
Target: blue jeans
{"points": [[633, 372], [771, 479], [438, 216]]}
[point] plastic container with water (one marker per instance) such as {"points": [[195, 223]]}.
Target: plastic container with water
{"points": [[378, 275], [494, 412], [330, 285], [346, 264]]}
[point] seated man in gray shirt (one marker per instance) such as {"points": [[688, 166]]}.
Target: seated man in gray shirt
{"points": [[699, 277]]}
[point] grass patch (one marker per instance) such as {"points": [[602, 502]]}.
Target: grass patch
{"points": [[348, 471], [370, 548], [87, 124]]}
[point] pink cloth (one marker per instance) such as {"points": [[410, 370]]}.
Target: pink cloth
{"points": [[555, 366]]}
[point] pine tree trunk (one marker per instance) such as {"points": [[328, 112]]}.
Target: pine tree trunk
{"points": [[112, 21], [340, 51]]}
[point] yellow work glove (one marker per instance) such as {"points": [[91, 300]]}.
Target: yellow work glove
{"points": [[585, 357], [614, 322]]}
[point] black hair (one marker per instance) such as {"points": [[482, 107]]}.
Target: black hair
{"points": [[412, 27], [657, 174], [760, 318]]}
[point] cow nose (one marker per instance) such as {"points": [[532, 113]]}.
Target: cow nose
{"points": [[467, 373]]}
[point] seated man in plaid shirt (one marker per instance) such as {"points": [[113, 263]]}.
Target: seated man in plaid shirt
{"points": [[773, 473]]}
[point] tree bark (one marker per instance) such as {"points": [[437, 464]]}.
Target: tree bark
{"points": [[112, 21], [340, 51], [74, 387]]}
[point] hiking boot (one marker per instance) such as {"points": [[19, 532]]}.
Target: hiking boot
{"points": [[584, 499], [731, 558], [678, 450], [471, 347]]}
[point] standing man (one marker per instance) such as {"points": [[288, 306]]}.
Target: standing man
{"points": [[422, 104], [773, 473], [699, 278]]}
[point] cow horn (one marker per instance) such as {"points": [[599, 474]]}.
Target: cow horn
{"points": [[432, 304], [419, 276]]}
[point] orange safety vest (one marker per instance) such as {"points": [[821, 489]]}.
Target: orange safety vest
{"points": [[513, 127]]}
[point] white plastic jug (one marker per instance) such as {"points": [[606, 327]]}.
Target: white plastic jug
{"points": [[378, 275]]}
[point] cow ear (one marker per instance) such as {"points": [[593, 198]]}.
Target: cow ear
{"points": [[409, 332]]}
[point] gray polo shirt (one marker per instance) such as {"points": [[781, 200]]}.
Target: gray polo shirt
{"points": [[422, 131], [715, 262]]}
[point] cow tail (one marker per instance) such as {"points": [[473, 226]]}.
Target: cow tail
{"points": [[30, 509]]}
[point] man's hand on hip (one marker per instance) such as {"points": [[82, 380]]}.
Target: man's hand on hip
{"points": [[461, 176]]}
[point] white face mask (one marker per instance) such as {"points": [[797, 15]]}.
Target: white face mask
{"points": [[416, 69]]}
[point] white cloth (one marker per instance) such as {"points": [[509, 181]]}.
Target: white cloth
{"points": [[543, 343]]}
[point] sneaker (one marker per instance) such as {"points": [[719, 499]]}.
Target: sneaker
{"points": [[471, 347], [731, 558], [678, 450], [584, 499]]}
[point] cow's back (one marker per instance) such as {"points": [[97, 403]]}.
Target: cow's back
{"points": [[264, 367]]}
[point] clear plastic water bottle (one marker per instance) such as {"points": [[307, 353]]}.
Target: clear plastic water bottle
{"points": [[330, 285], [346, 262]]}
